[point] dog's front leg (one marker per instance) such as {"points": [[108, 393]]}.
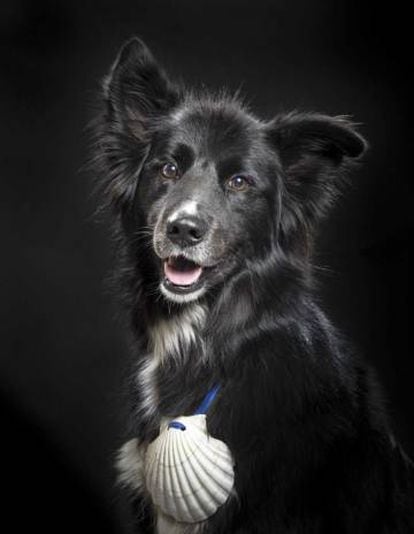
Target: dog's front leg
{"points": [[130, 466]]}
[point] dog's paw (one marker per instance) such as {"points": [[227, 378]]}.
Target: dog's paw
{"points": [[130, 465]]}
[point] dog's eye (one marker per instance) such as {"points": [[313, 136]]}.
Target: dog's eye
{"points": [[169, 170], [239, 182]]}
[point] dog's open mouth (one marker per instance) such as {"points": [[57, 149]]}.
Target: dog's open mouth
{"points": [[181, 273]]}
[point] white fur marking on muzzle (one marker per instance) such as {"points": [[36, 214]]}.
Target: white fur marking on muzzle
{"points": [[189, 208]]}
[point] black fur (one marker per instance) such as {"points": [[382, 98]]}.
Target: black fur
{"points": [[302, 415]]}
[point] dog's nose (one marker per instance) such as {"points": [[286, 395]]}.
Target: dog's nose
{"points": [[186, 231]]}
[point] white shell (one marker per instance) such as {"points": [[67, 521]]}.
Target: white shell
{"points": [[188, 473]]}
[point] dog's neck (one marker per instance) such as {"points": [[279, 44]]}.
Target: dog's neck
{"points": [[174, 336]]}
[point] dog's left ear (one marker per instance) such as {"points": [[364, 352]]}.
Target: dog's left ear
{"points": [[316, 133], [315, 152]]}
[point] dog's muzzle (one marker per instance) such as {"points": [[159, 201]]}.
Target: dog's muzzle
{"points": [[183, 243]]}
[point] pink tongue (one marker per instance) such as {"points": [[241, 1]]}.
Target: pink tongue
{"points": [[182, 278]]}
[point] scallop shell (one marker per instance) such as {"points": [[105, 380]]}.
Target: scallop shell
{"points": [[188, 473]]}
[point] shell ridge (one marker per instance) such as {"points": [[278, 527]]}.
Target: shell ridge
{"points": [[209, 505], [183, 507], [222, 455], [153, 466], [216, 489], [227, 473], [193, 485], [161, 479], [165, 503]]}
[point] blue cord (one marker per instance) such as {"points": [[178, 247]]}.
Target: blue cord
{"points": [[207, 401], [202, 408], [177, 425]]}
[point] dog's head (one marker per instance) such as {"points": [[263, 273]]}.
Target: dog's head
{"points": [[206, 184]]}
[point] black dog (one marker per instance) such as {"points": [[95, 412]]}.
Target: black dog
{"points": [[215, 212]]}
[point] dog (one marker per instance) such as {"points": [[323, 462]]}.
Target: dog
{"points": [[215, 213]]}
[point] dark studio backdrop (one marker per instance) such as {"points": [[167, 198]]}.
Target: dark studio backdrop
{"points": [[63, 355]]}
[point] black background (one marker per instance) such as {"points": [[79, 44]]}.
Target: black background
{"points": [[63, 355]]}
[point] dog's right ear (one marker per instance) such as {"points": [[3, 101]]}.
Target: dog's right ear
{"points": [[137, 93], [137, 90]]}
